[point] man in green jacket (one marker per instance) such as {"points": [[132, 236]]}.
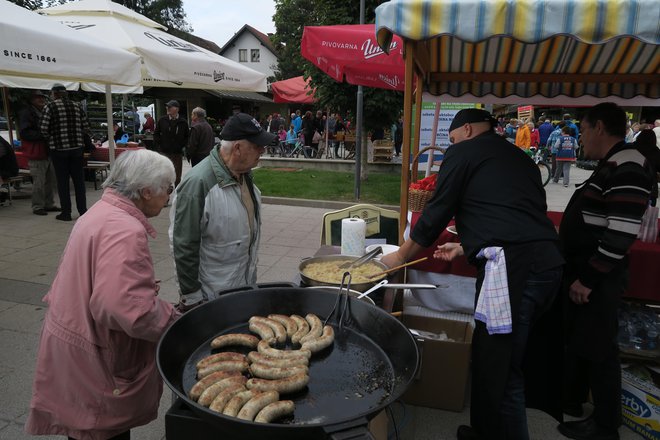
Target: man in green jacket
{"points": [[215, 216]]}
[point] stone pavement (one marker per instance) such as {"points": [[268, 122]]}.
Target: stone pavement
{"points": [[30, 247]]}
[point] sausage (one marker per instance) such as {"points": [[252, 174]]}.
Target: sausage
{"points": [[283, 386], [266, 349], [223, 366], [264, 331], [256, 404], [225, 396], [224, 356], [278, 329], [288, 323], [267, 372], [323, 341], [236, 403], [315, 328], [256, 357], [209, 380], [212, 391], [303, 328], [274, 411], [235, 339]]}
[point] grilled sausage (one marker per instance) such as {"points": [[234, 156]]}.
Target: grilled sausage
{"points": [[266, 349], [256, 404], [209, 380], [212, 391], [256, 357], [223, 366], [288, 323], [224, 356], [323, 341], [266, 372], [315, 328], [225, 396], [236, 403], [274, 411], [235, 339], [278, 329], [303, 328], [283, 386], [263, 330]]}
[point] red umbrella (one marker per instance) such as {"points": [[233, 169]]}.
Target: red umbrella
{"points": [[292, 90], [351, 52]]}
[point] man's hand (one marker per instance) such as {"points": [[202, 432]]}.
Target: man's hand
{"points": [[448, 251], [578, 293]]}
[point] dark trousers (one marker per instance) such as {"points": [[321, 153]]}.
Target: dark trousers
{"points": [[69, 164], [177, 160], [123, 436]]}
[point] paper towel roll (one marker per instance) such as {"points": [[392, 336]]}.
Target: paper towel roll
{"points": [[353, 231]]}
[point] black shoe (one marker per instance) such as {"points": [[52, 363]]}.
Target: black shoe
{"points": [[64, 217], [573, 409], [587, 429], [465, 432], [54, 209], [39, 211]]}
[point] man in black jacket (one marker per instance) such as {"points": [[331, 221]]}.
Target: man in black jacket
{"points": [[495, 193], [171, 136], [202, 137]]}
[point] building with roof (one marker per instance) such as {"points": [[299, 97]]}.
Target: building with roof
{"points": [[253, 48]]}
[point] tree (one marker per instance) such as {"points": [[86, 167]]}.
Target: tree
{"points": [[381, 107]]}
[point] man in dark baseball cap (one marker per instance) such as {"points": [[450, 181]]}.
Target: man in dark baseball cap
{"points": [[173, 103], [469, 116], [244, 126], [216, 210]]}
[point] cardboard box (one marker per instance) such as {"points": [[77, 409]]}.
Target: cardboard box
{"points": [[444, 370], [640, 406]]}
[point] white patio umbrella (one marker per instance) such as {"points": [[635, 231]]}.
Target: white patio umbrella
{"points": [[167, 61]]}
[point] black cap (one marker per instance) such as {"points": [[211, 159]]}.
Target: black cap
{"points": [[57, 87], [172, 103], [243, 126], [471, 115]]}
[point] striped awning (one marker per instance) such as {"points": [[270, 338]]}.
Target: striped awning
{"points": [[525, 48]]}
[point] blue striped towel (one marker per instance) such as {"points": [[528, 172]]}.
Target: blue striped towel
{"points": [[493, 306]]}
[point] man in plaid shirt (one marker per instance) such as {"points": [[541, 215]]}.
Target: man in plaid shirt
{"points": [[64, 124]]}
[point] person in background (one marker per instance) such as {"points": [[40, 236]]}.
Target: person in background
{"points": [[398, 137], [308, 134], [645, 144], [544, 132], [506, 233], [339, 127], [118, 132], [33, 146], [534, 138], [96, 374], [202, 139], [656, 130], [569, 122], [523, 138], [599, 225], [565, 148], [296, 120], [171, 136], [552, 140], [511, 130], [149, 124], [215, 219], [64, 124]]}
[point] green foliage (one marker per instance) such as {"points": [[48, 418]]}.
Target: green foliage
{"points": [[381, 107], [381, 188]]}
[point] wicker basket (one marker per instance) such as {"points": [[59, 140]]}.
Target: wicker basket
{"points": [[417, 198]]}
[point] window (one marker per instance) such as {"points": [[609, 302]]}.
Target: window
{"points": [[242, 55], [254, 55]]}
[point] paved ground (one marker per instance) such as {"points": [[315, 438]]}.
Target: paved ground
{"points": [[30, 247]]}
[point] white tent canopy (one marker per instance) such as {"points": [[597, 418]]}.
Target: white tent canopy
{"points": [[36, 52], [167, 61]]}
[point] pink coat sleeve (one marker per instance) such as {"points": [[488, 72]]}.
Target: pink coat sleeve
{"points": [[124, 288]]}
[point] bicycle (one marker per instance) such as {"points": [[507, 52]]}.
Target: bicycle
{"points": [[538, 155]]}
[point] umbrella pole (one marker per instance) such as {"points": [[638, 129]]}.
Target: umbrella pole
{"points": [[358, 131], [108, 115], [405, 147]]}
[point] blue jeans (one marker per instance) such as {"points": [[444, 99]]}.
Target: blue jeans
{"points": [[540, 291]]}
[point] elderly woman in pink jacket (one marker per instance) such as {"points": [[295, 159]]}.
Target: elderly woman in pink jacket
{"points": [[96, 376]]}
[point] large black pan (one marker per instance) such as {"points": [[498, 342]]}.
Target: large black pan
{"points": [[370, 365]]}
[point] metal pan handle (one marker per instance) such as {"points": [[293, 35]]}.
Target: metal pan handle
{"points": [[354, 430]]}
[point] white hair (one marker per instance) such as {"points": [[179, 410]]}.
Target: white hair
{"points": [[135, 170], [199, 112], [226, 146]]}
